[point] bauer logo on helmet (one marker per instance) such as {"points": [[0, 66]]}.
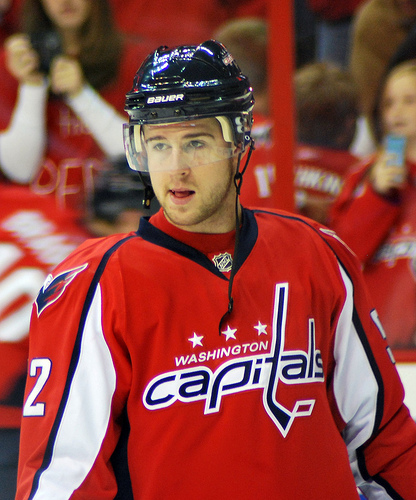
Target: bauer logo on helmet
{"points": [[165, 98]]}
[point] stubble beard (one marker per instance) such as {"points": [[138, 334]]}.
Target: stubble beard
{"points": [[211, 212]]}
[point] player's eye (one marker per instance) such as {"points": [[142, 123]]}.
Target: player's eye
{"points": [[194, 145], [159, 146]]}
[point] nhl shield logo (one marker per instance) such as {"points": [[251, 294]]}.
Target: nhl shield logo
{"points": [[223, 262]]}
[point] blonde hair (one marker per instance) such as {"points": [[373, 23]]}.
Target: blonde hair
{"points": [[402, 69], [406, 67]]}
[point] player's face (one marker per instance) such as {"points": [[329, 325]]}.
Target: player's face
{"points": [[67, 14], [399, 106], [197, 196]]}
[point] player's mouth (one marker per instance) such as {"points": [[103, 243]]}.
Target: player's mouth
{"points": [[181, 196]]}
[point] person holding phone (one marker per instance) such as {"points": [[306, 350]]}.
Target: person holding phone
{"points": [[375, 213]]}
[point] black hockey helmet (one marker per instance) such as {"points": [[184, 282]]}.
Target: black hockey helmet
{"points": [[186, 83]]}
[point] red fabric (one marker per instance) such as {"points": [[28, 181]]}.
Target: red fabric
{"points": [[318, 178], [9, 21], [187, 22], [383, 235]]}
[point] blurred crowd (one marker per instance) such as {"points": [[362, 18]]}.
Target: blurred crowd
{"points": [[65, 68], [367, 196]]}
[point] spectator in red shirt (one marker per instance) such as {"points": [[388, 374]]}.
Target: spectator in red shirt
{"points": [[376, 212], [60, 96]]}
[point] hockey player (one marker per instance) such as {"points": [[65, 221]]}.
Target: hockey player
{"points": [[219, 352]]}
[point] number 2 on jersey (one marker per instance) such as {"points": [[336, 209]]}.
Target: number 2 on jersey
{"points": [[32, 409]]}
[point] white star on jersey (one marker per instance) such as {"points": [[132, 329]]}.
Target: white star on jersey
{"points": [[229, 333], [261, 328], [196, 340]]}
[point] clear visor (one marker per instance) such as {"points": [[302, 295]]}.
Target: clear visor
{"points": [[191, 145]]}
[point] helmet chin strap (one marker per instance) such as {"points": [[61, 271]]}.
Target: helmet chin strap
{"points": [[238, 180], [149, 194]]}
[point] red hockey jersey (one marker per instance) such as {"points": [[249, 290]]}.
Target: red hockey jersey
{"points": [[34, 238], [383, 235], [318, 174], [319, 177], [294, 389]]}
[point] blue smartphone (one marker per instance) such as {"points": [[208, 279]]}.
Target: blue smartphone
{"points": [[395, 146]]}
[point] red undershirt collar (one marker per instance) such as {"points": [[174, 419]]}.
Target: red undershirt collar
{"points": [[204, 242]]}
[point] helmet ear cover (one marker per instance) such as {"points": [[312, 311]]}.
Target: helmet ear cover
{"points": [[187, 83]]}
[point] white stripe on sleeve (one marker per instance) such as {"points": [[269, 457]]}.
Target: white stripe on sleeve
{"points": [[86, 416], [355, 385]]}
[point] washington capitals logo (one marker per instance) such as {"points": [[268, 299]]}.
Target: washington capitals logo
{"points": [[55, 287]]}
